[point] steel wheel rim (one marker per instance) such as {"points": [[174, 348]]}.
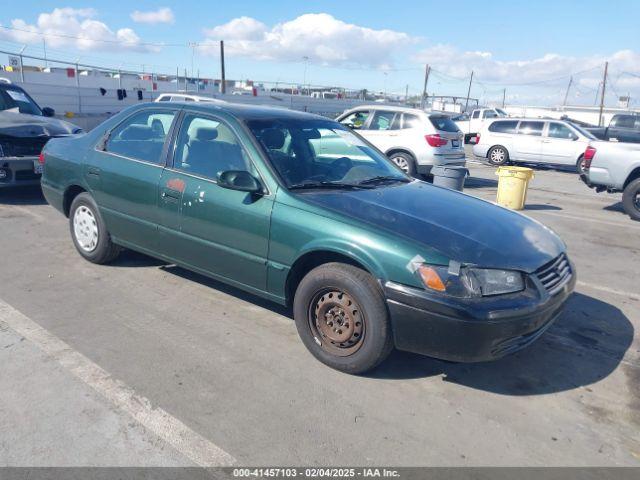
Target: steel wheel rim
{"points": [[337, 322], [581, 165], [636, 200], [402, 163], [497, 155], [85, 228]]}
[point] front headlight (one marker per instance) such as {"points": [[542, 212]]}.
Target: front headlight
{"points": [[470, 281]]}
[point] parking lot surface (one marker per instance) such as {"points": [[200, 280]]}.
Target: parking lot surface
{"points": [[140, 363]]}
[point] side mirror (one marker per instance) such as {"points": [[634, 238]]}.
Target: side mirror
{"points": [[239, 180], [48, 112]]}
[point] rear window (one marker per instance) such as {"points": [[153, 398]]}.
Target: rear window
{"points": [[623, 121], [508, 126], [443, 123]]}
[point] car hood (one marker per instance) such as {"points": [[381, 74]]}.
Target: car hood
{"points": [[461, 227], [21, 125]]}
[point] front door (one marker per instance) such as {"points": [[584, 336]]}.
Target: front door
{"points": [[123, 174], [219, 231], [559, 145]]}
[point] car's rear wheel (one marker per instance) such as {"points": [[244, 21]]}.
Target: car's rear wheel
{"points": [[89, 232], [581, 165], [342, 318], [631, 199], [498, 155], [405, 161]]}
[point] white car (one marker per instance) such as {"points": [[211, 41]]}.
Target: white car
{"points": [[414, 140], [470, 124], [533, 140], [185, 97]]}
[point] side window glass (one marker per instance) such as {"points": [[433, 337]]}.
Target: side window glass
{"points": [[489, 114], [382, 120], [531, 128], [623, 121], [141, 136], [476, 114], [558, 130], [207, 147], [411, 121], [356, 120]]}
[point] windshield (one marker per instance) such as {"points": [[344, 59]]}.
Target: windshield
{"points": [[584, 132], [321, 152], [14, 99], [501, 112]]}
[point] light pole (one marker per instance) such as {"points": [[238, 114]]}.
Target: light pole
{"points": [[385, 85], [304, 79]]}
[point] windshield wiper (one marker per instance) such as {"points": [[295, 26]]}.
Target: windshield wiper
{"points": [[327, 184], [383, 178]]}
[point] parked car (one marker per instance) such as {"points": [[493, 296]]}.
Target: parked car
{"points": [[615, 167], [414, 140], [529, 140], [622, 128], [368, 257], [470, 124], [24, 129], [185, 97]]}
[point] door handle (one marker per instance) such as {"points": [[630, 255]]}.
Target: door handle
{"points": [[95, 171], [171, 194]]}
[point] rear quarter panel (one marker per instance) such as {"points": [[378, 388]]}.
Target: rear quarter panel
{"points": [[613, 163]]}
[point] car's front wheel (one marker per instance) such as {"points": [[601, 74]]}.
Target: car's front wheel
{"points": [[89, 232], [498, 156], [405, 161], [342, 318], [631, 199]]}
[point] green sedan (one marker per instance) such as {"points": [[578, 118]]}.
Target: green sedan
{"points": [[300, 210]]}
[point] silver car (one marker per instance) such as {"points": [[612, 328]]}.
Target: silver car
{"points": [[413, 139], [533, 140]]}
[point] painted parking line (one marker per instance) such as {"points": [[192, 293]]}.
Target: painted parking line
{"points": [[629, 224], [622, 293], [186, 441]]}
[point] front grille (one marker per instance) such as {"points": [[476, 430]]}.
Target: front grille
{"points": [[555, 274], [22, 147]]}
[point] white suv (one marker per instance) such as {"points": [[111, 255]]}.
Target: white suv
{"points": [[415, 140], [533, 140]]}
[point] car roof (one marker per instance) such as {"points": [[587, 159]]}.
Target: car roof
{"points": [[250, 112], [394, 108]]}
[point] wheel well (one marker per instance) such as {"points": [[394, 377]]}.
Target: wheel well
{"points": [[69, 194], [632, 176], [400, 150], [308, 262]]}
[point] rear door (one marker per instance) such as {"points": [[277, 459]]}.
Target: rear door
{"points": [[123, 172], [219, 231], [559, 144], [527, 143]]}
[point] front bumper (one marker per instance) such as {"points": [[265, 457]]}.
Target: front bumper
{"points": [[18, 171], [471, 330]]}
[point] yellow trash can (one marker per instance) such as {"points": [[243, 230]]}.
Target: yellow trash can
{"points": [[512, 186]]}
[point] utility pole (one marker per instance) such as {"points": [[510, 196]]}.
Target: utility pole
{"points": [[423, 102], [44, 48], [566, 95], [466, 104], [406, 94], [604, 85], [504, 96], [223, 86]]}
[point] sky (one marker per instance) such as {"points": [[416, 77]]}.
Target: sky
{"points": [[527, 50]]}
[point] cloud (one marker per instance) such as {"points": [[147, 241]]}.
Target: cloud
{"points": [[73, 27], [319, 36], [528, 79], [162, 15]]}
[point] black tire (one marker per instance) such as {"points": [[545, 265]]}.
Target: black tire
{"points": [[580, 166], [631, 199], [405, 161], [370, 316], [498, 155], [104, 250]]}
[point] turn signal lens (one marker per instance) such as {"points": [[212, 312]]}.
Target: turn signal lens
{"points": [[41, 158], [431, 279]]}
